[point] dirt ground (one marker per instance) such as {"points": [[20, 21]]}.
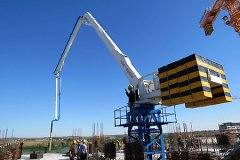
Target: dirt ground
{"points": [[28, 143]]}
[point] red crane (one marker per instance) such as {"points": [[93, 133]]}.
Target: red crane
{"points": [[210, 14]]}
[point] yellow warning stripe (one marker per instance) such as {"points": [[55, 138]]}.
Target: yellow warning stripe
{"points": [[210, 67]]}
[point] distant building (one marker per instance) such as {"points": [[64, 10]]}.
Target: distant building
{"points": [[232, 128]]}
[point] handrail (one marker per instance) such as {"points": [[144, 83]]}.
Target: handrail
{"points": [[162, 115]]}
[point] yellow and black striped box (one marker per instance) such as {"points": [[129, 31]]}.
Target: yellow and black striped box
{"points": [[221, 94], [186, 81]]}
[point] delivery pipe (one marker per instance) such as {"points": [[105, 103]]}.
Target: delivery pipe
{"points": [[57, 109]]}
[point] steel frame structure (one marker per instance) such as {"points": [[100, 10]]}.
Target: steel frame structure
{"points": [[146, 127]]}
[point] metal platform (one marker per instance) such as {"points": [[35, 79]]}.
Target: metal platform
{"points": [[145, 126]]}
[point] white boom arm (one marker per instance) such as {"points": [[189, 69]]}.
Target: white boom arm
{"points": [[122, 59], [148, 89]]}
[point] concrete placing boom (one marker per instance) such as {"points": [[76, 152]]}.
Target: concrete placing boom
{"points": [[122, 59], [191, 80], [148, 90], [210, 15]]}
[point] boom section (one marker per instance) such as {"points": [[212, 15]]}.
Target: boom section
{"points": [[122, 59]]}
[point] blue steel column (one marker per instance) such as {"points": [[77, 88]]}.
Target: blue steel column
{"points": [[147, 129], [163, 154]]}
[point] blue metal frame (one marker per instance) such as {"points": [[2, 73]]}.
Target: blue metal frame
{"points": [[147, 127]]}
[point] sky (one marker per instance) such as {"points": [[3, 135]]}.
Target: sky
{"points": [[152, 33]]}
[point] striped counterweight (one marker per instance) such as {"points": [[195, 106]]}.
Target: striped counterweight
{"points": [[186, 81]]}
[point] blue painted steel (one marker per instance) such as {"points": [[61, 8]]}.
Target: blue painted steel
{"points": [[146, 127]]}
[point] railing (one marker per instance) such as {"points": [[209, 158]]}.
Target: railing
{"points": [[166, 114], [151, 80], [121, 116], [157, 115]]}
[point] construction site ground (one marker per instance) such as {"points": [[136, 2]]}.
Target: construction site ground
{"points": [[58, 156]]}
